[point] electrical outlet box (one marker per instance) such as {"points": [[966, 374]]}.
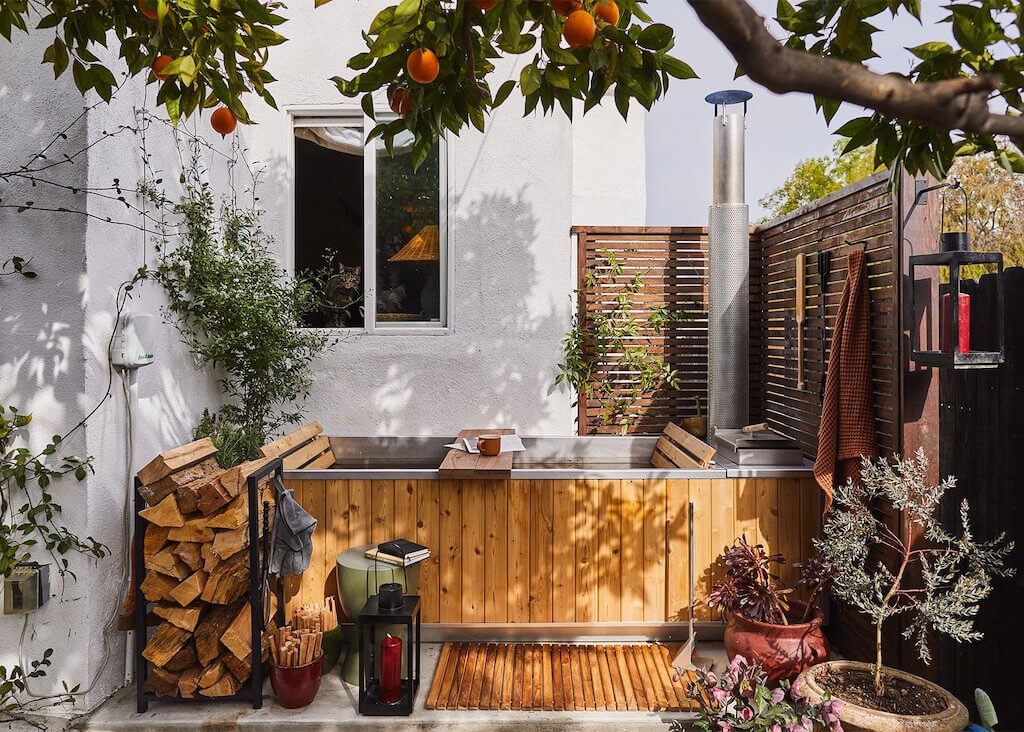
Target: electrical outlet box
{"points": [[27, 589]]}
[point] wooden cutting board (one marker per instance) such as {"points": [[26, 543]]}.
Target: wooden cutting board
{"points": [[458, 465]]}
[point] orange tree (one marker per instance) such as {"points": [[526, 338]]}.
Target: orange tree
{"points": [[956, 99]]}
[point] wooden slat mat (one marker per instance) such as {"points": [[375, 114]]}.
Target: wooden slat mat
{"points": [[553, 677]]}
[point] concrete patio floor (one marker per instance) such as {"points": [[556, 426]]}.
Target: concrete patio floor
{"points": [[335, 709]]}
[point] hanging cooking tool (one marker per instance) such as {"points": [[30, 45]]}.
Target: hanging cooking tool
{"points": [[824, 270], [800, 286]]}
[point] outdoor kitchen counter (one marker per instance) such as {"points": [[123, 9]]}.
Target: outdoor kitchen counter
{"points": [[584, 533]]}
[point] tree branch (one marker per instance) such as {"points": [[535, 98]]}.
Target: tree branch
{"points": [[950, 104]]}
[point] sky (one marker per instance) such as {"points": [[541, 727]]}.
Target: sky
{"points": [[781, 130]]}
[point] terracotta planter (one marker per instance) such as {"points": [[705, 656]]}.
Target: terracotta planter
{"points": [[783, 650], [861, 719], [296, 686]]}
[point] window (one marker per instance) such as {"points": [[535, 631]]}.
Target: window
{"points": [[368, 228]]}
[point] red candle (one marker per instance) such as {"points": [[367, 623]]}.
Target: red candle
{"points": [[390, 669], [963, 325]]}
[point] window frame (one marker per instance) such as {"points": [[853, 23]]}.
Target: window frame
{"points": [[339, 115]]}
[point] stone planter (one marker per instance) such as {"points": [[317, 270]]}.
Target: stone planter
{"points": [[861, 719], [783, 650]]}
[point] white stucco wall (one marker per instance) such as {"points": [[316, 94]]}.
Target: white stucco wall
{"points": [[514, 193]]}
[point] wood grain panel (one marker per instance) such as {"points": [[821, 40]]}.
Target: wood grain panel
{"points": [[703, 550], [450, 505], [541, 550], [496, 551], [723, 521], [336, 500], [428, 533], [382, 497], [768, 514], [563, 575], [519, 521], [473, 551], [587, 501], [556, 551], [609, 557], [632, 549], [677, 559], [359, 516], [654, 549]]}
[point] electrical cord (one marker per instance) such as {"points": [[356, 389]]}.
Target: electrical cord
{"points": [[121, 300]]}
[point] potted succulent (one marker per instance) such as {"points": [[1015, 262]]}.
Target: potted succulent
{"points": [[956, 574], [742, 698], [783, 635]]}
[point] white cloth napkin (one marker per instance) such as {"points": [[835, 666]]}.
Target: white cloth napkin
{"points": [[509, 443]]}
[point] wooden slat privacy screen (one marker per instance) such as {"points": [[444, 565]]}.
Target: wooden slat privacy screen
{"points": [[864, 212], [673, 262]]}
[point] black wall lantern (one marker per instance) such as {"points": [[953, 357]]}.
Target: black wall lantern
{"points": [[955, 347], [384, 690]]}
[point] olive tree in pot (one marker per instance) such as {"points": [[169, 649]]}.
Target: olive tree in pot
{"points": [[956, 575], [781, 634]]}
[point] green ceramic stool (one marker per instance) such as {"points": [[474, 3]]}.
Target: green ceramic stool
{"points": [[358, 578]]}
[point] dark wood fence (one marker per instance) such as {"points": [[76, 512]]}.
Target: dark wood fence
{"points": [[981, 428], [865, 213], [673, 264]]}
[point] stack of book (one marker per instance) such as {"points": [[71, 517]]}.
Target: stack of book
{"points": [[400, 552]]}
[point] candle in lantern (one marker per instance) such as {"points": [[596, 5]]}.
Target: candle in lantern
{"points": [[390, 669], [963, 316]]}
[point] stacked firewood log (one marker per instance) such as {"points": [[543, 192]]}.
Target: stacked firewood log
{"points": [[196, 563]]}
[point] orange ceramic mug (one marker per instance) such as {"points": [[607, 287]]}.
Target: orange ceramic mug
{"points": [[489, 445]]}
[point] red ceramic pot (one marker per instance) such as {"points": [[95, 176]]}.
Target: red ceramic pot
{"points": [[783, 650], [296, 686]]}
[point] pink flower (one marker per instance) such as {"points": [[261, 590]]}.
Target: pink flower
{"points": [[775, 728], [746, 713], [719, 695], [724, 727], [736, 662], [830, 712], [778, 694]]}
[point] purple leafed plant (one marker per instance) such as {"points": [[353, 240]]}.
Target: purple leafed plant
{"points": [[740, 699], [750, 587]]}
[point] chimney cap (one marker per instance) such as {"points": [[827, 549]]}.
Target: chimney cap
{"points": [[728, 96]]}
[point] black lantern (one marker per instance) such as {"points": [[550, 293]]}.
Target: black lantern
{"points": [[955, 347], [384, 689]]}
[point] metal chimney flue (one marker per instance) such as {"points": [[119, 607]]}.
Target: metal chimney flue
{"points": [[728, 268]]}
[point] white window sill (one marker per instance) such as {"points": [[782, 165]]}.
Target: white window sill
{"points": [[344, 332]]}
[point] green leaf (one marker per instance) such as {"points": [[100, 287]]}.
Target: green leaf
{"points": [[556, 77], [407, 10], [503, 92], [655, 37], [678, 69], [530, 79]]}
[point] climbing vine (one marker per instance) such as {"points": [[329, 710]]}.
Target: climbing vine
{"points": [[607, 355]]}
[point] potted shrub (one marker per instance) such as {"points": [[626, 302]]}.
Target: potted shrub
{"points": [[742, 698], [783, 635], [955, 571]]}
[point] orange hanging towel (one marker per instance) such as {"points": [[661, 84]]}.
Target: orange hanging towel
{"points": [[847, 430]]}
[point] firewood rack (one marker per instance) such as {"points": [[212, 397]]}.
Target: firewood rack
{"points": [[252, 689]]}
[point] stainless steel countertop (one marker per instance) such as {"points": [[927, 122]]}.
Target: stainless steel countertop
{"points": [[546, 458]]}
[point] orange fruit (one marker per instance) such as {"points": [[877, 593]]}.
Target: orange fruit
{"points": [[159, 64], [579, 29], [401, 101], [223, 121], [148, 8], [607, 11], [423, 66], [565, 7], [484, 4]]}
